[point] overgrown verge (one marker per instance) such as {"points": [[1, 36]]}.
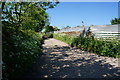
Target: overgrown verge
{"points": [[100, 47], [20, 50]]}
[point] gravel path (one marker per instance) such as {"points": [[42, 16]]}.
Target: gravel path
{"points": [[61, 61]]}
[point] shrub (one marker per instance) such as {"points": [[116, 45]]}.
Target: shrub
{"points": [[20, 50], [100, 47], [49, 35]]}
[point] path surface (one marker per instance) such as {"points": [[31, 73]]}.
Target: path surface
{"points": [[61, 61]]}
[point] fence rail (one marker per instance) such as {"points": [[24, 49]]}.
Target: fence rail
{"points": [[108, 35]]}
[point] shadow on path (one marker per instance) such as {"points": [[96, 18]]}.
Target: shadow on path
{"points": [[66, 62]]}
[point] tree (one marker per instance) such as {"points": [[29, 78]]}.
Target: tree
{"points": [[78, 26], [28, 15], [66, 27], [20, 20], [115, 21], [48, 29], [55, 28]]}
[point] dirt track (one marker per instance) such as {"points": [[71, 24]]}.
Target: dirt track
{"points": [[61, 61]]}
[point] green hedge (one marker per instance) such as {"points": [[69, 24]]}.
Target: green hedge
{"points": [[20, 50], [101, 47]]}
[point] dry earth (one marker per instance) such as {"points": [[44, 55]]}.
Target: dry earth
{"points": [[59, 60]]}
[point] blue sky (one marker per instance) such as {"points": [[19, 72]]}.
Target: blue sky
{"points": [[72, 13]]}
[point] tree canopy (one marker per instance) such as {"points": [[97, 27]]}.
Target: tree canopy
{"points": [[50, 28], [26, 15], [115, 21]]}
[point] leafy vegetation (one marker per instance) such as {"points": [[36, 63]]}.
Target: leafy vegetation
{"points": [[19, 52], [22, 44], [100, 47], [115, 21], [66, 27], [49, 35], [50, 28], [27, 15]]}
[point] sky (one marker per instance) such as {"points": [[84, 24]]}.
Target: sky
{"points": [[91, 13]]}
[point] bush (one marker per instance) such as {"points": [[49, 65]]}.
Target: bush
{"points": [[100, 47], [49, 35], [20, 50]]}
